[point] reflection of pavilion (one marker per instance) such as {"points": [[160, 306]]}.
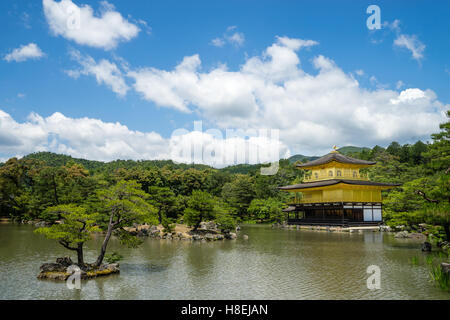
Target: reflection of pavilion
{"points": [[335, 192]]}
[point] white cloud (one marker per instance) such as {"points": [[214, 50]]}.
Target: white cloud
{"points": [[25, 18], [360, 72], [410, 95], [25, 52], [394, 25], [296, 44], [81, 25], [313, 111], [97, 140], [236, 38], [231, 36], [409, 42], [104, 71], [84, 137], [218, 42], [400, 84], [414, 45]]}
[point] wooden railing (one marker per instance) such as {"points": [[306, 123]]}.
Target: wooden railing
{"points": [[342, 176]]}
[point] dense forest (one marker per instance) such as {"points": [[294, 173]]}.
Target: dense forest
{"points": [[31, 187]]}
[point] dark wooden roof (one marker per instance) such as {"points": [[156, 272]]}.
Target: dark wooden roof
{"points": [[335, 156], [325, 183]]}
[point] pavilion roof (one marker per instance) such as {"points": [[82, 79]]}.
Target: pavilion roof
{"points": [[335, 156], [325, 183]]}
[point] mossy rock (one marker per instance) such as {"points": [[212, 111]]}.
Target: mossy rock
{"points": [[61, 272]]}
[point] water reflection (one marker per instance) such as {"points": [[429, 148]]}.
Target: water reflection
{"points": [[271, 264]]}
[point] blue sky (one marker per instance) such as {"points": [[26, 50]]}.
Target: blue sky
{"points": [[120, 82]]}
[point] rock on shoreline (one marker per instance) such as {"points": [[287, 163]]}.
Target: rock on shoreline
{"points": [[63, 268], [208, 231], [410, 235]]}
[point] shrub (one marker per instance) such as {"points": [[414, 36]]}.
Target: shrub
{"points": [[168, 226], [113, 257]]}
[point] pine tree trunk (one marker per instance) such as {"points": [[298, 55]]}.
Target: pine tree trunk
{"points": [[80, 254], [105, 244], [197, 225], [447, 230]]}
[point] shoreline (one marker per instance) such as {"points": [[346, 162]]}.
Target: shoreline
{"points": [[208, 231]]}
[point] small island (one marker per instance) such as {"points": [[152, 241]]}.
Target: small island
{"points": [[128, 216]]}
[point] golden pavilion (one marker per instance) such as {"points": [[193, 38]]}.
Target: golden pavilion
{"points": [[336, 192]]}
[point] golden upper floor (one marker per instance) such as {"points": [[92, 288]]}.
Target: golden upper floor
{"points": [[335, 166]]}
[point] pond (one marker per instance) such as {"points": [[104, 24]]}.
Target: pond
{"points": [[271, 264]]}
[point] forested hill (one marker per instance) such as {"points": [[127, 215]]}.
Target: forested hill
{"points": [[301, 158], [56, 160]]}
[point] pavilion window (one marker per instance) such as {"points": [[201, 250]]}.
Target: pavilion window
{"points": [[316, 175], [355, 174], [330, 173], [338, 173]]}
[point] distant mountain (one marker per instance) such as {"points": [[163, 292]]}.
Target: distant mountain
{"points": [[347, 150], [302, 158], [56, 160]]}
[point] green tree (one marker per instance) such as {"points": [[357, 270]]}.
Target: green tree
{"points": [[163, 199], [74, 230], [200, 207], [124, 204], [14, 194], [405, 153], [192, 179], [224, 215], [417, 150], [239, 193], [438, 153], [427, 197], [215, 181], [394, 149], [269, 210], [376, 151]]}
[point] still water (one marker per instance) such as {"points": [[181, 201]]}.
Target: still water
{"points": [[271, 264]]}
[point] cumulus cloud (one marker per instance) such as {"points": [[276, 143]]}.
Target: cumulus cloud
{"points": [[236, 38], [105, 72], [83, 137], [25, 52], [313, 111], [231, 36], [409, 42], [414, 45], [218, 42], [97, 140], [81, 25]]}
